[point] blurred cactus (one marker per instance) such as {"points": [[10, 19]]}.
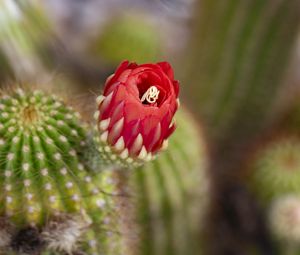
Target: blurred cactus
{"points": [[6, 71], [234, 79], [285, 222], [129, 37], [290, 121], [172, 194], [276, 169], [237, 48], [24, 32]]}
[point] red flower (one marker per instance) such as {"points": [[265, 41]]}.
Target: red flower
{"points": [[136, 110]]}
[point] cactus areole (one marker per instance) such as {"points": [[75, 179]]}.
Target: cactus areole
{"points": [[135, 112]]}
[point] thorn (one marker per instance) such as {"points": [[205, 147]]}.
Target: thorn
{"points": [[44, 171], [69, 185], [26, 167], [27, 182], [63, 138]]}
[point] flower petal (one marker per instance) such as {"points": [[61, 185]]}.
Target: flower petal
{"points": [[168, 70]]}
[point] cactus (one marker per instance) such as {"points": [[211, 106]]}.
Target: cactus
{"points": [[276, 167], [285, 218], [284, 222], [55, 201], [24, 34], [47, 190], [235, 81], [119, 41], [172, 193]]}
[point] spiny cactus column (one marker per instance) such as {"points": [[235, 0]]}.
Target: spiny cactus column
{"points": [[46, 189], [169, 194], [234, 79]]}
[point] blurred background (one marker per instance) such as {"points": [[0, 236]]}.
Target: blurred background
{"points": [[238, 64], [86, 40]]}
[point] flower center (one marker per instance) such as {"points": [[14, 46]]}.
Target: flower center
{"points": [[30, 114], [151, 95]]}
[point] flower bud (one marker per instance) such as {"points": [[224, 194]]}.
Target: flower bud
{"points": [[135, 113]]}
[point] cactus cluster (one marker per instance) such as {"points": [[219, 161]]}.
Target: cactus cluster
{"points": [[44, 180], [58, 195], [58, 198]]}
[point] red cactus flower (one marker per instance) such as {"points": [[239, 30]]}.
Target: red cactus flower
{"points": [[136, 110]]}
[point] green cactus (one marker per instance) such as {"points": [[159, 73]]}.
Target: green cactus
{"points": [[284, 219], [276, 167], [119, 41], [56, 191], [24, 34], [172, 193], [44, 180]]}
